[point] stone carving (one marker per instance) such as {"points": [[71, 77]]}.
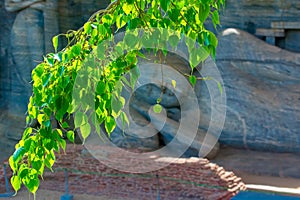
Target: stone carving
{"points": [[32, 30], [262, 84], [145, 96], [130, 140]]}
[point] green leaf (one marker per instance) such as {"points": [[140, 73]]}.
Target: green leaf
{"points": [[49, 161], [215, 18], [46, 78], [127, 8], [85, 130], [55, 42], [18, 154], [157, 108], [174, 83], [174, 14], [134, 23], [141, 55], [27, 132], [197, 55], [190, 15], [100, 88], [124, 119], [101, 51], [65, 125], [120, 22], [158, 100], [134, 75], [63, 144], [165, 4], [15, 182], [76, 49], [40, 118], [12, 164], [28, 144], [38, 166], [204, 10], [71, 136], [31, 180], [130, 40], [130, 1], [116, 105], [87, 27], [193, 80], [80, 119], [173, 40], [110, 124]]}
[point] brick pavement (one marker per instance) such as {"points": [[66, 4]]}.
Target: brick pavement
{"points": [[192, 178]]}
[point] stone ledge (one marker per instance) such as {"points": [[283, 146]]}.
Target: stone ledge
{"points": [[285, 25], [270, 32]]}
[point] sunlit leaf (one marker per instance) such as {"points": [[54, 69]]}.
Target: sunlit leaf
{"points": [[85, 130], [70, 136], [16, 182], [174, 83], [55, 42], [157, 108], [110, 124]]}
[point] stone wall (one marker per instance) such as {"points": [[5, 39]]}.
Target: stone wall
{"points": [[5, 59], [250, 15]]}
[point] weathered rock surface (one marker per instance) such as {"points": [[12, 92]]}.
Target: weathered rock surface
{"points": [[260, 13], [135, 138], [192, 142], [262, 85], [249, 15]]}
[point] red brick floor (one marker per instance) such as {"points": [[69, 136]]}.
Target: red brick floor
{"points": [[192, 178]]}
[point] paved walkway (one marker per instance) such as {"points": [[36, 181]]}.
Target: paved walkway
{"points": [[247, 195]]}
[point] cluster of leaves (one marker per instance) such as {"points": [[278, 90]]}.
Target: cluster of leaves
{"points": [[56, 77]]}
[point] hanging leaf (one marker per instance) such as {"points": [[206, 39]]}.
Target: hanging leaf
{"points": [[55, 42], [157, 108], [110, 124], [15, 182], [174, 83], [124, 119], [165, 4], [71, 136], [85, 130], [18, 154], [193, 80], [87, 27], [215, 18]]}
